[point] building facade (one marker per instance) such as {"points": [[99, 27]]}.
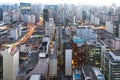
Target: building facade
{"points": [[68, 59], [10, 63], [1, 14], [1, 67], [15, 32], [112, 65], [94, 55], [25, 8]]}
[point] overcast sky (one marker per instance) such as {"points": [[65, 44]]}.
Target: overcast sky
{"points": [[95, 2]]}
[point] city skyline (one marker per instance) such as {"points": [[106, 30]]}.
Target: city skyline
{"points": [[100, 2]]}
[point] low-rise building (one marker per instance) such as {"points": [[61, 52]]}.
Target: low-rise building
{"points": [[91, 73], [77, 74]]}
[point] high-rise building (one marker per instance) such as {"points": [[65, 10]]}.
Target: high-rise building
{"points": [[1, 14], [53, 9], [112, 65], [84, 15], [15, 32], [46, 15], [25, 8], [10, 63], [68, 59], [50, 28], [94, 54], [1, 67]]}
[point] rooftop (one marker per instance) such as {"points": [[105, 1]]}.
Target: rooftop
{"points": [[112, 56], [77, 74], [89, 73], [103, 34], [116, 52], [67, 45], [41, 68], [29, 64], [35, 77]]}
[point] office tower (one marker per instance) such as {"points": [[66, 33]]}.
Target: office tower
{"points": [[1, 67], [50, 28], [53, 9], [112, 65], [53, 64], [1, 14], [68, 59], [25, 8], [46, 15], [84, 15], [10, 63], [94, 54]]}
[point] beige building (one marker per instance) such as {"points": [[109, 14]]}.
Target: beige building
{"points": [[10, 63]]}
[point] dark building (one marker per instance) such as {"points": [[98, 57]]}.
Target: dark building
{"points": [[45, 15], [25, 8], [116, 28], [1, 67], [84, 15], [1, 14], [53, 9]]}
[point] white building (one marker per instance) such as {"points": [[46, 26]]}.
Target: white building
{"points": [[68, 59], [97, 21], [25, 48], [10, 63], [92, 19], [15, 32], [109, 26], [29, 18], [16, 16], [50, 28], [35, 77], [6, 17], [44, 47]]}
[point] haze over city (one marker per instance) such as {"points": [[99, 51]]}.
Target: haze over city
{"points": [[94, 2], [60, 40]]}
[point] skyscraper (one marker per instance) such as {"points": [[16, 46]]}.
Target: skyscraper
{"points": [[10, 63], [1, 14], [68, 59], [46, 15], [25, 8]]}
